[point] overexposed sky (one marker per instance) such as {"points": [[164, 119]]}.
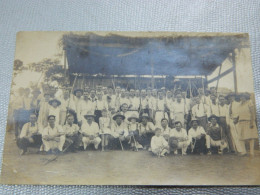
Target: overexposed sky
{"points": [[35, 46]]}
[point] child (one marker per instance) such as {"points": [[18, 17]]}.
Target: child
{"points": [[105, 128], [158, 144], [133, 132]]}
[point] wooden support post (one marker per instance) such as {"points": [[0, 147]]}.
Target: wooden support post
{"points": [[234, 71], [218, 77]]}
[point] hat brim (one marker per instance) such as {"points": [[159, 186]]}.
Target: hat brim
{"points": [[89, 115], [58, 102], [216, 117], [118, 115], [130, 118], [193, 121]]}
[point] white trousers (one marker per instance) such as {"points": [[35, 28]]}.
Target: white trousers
{"points": [[87, 141], [210, 142], [54, 144]]}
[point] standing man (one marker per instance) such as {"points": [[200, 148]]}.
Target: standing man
{"points": [[160, 108], [53, 137], [200, 112], [179, 110]]}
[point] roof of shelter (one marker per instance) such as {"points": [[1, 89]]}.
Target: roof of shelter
{"points": [[134, 53]]}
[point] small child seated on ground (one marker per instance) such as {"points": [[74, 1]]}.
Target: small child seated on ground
{"points": [[159, 145]]}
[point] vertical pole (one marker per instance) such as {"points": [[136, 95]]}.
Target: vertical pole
{"points": [[218, 77], [152, 70], [234, 70]]}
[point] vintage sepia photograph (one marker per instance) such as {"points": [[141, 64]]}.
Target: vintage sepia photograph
{"points": [[132, 108]]}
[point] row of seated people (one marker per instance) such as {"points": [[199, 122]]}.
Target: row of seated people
{"points": [[117, 132]]}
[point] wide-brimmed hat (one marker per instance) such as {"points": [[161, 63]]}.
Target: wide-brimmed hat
{"points": [[213, 116], [76, 90], [118, 115], [89, 114], [192, 120], [55, 100], [133, 116], [145, 115]]}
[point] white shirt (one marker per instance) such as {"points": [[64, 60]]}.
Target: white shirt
{"points": [[100, 105], [120, 129], [200, 110], [178, 134], [158, 142], [179, 107], [160, 104], [70, 129], [56, 131], [194, 133], [148, 127], [90, 129], [29, 130], [135, 102]]}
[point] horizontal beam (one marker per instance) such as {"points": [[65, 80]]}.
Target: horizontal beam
{"points": [[221, 75]]}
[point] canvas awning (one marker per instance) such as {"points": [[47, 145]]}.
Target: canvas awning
{"points": [[167, 54]]}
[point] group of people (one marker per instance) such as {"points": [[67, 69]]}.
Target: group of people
{"points": [[161, 121]]}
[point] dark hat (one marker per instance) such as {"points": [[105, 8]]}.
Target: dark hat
{"points": [[76, 90], [89, 114], [213, 116], [54, 100], [118, 115], [144, 115], [192, 120], [51, 116], [133, 116]]}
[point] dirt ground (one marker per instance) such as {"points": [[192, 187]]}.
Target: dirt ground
{"points": [[128, 167]]}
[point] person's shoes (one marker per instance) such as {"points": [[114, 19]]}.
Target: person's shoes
{"points": [[209, 153], [184, 154], [220, 152], [175, 152]]}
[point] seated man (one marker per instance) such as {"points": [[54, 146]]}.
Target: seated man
{"points": [[165, 129], [214, 135], [90, 131], [146, 131], [71, 131], [30, 136], [53, 137], [179, 139], [197, 137], [119, 131], [159, 145]]}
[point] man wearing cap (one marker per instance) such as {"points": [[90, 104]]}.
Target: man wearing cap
{"points": [[35, 101], [134, 131], [215, 136], [179, 110], [244, 117], [179, 139], [160, 108], [123, 98], [90, 131], [152, 104], [200, 111], [78, 101], [119, 130], [55, 110], [53, 137], [30, 135], [44, 111], [71, 131], [144, 103], [146, 130], [197, 137], [100, 105], [67, 106], [134, 103]]}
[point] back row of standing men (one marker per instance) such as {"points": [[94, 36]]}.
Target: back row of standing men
{"points": [[156, 104]]}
